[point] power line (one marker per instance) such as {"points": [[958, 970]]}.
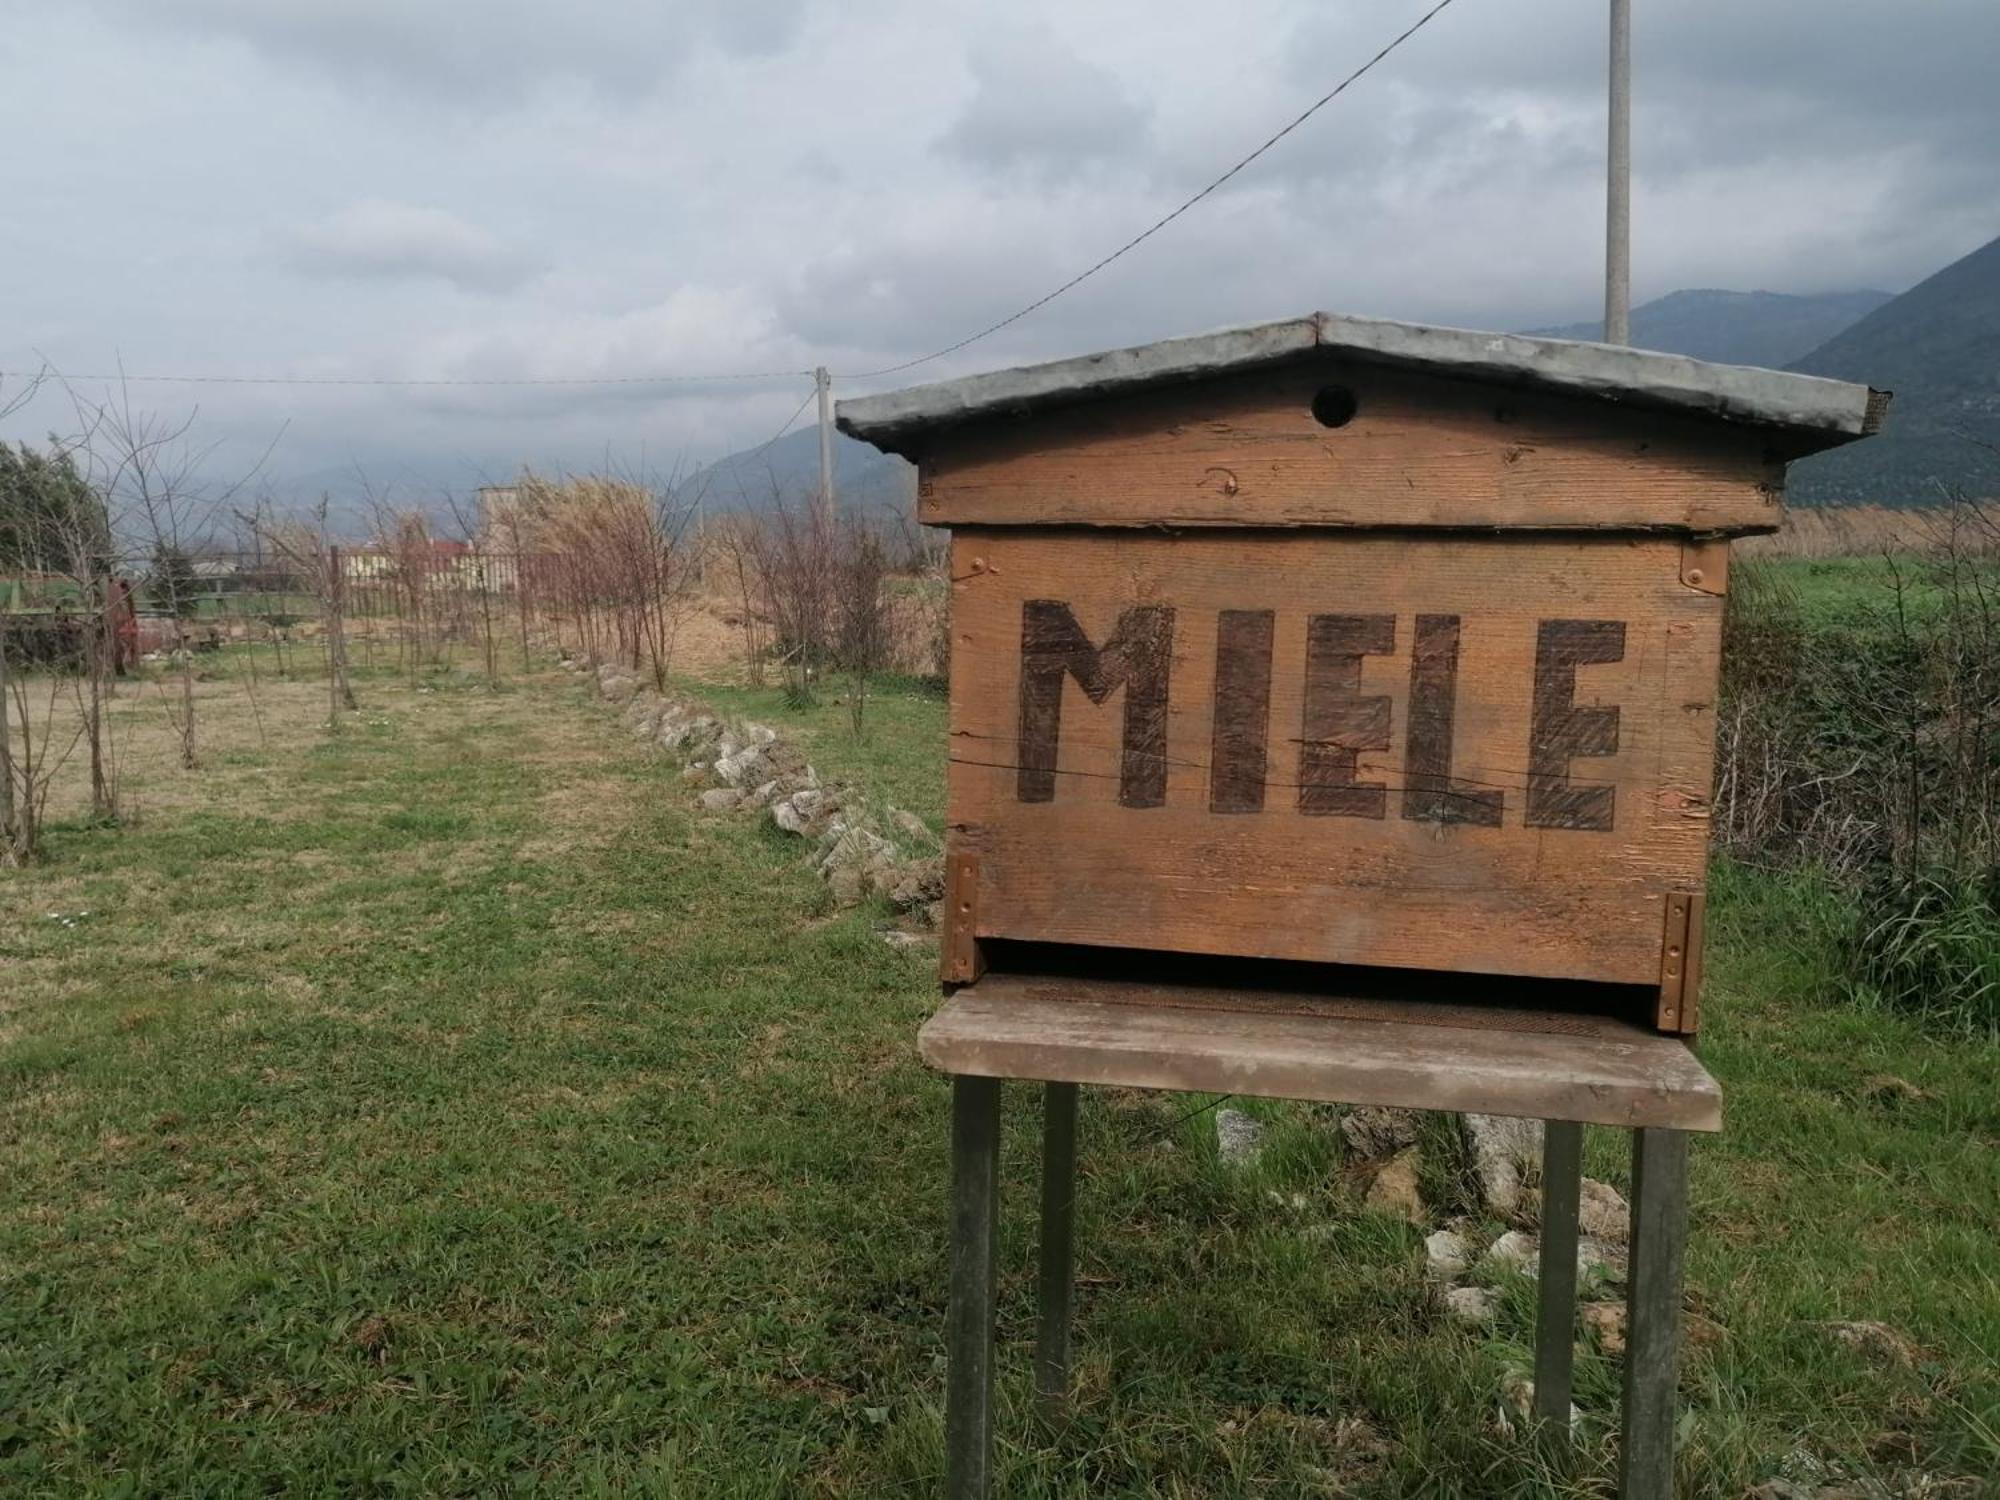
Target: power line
{"points": [[765, 446], [1161, 223], [121, 377], [750, 375]]}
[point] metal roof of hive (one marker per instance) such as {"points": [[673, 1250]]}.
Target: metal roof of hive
{"points": [[1809, 413]]}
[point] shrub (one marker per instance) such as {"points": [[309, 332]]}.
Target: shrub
{"points": [[1864, 740]]}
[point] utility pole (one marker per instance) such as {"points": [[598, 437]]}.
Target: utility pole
{"points": [[1618, 183], [823, 382]]}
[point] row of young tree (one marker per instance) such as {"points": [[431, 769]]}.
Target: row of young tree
{"points": [[112, 520], [122, 477]]}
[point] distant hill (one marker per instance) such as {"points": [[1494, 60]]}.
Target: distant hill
{"points": [[1938, 348], [1736, 328], [863, 478], [1759, 328]]}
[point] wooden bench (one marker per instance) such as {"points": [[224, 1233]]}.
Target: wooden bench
{"points": [[1564, 1068]]}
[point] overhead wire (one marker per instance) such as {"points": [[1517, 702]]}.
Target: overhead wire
{"points": [[765, 446], [549, 380], [1164, 220], [755, 375]]}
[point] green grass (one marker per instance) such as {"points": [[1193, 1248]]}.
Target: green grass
{"points": [[444, 1108], [1858, 594]]}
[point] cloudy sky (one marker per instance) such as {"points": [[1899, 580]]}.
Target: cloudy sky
{"points": [[583, 188]]}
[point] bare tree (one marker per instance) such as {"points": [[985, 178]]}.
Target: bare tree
{"points": [[148, 469], [37, 752], [860, 610], [796, 550], [54, 524], [9, 815], [741, 548], [309, 547]]}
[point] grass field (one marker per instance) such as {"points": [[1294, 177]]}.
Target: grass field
{"points": [[443, 1108]]}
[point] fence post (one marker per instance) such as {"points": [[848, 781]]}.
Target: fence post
{"points": [[7, 830]]}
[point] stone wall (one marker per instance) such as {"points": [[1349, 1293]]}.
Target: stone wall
{"points": [[862, 848]]}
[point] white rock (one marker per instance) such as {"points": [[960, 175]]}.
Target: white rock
{"points": [[1504, 1152], [1602, 1212], [1518, 1391], [804, 809], [896, 938], [854, 848], [1474, 1305], [1595, 1257], [762, 796], [1238, 1137], [747, 765], [1446, 1254], [1513, 1251], [720, 799], [910, 824]]}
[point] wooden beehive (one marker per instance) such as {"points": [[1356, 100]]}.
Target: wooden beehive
{"points": [[1347, 642]]}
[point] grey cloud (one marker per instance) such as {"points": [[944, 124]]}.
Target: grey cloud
{"points": [[1036, 104], [870, 197], [382, 239], [492, 51], [1715, 81]]}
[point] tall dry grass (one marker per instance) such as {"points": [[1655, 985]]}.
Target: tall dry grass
{"points": [[1845, 531]]}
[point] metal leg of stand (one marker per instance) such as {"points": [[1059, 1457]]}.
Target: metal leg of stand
{"points": [[1555, 1323], [1653, 1313], [1052, 1345], [975, 1220]]}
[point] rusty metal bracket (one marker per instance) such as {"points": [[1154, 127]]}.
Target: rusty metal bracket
{"points": [[1705, 564], [1679, 1007], [959, 958]]}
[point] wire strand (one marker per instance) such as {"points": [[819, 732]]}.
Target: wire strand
{"points": [[765, 446], [753, 375], [1161, 223], [552, 380]]}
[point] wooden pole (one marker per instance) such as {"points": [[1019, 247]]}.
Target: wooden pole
{"points": [[1618, 183], [1555, 1322], [823, 383], [1653, 1313], [1052, 1343], [7, 813], [975, 1223]]}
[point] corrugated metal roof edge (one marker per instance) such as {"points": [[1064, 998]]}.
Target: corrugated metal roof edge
{"points": [[1814, 412]]}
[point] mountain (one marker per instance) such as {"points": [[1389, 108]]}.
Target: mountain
{"points": [[1938, 348], [788, 471], [1736, 328]]}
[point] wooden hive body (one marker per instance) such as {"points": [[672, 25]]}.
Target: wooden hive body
{"points": [[1330, 661]]}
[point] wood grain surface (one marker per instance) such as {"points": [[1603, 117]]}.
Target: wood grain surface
{"points": [[1476, 753], [1419, 451], [1094, 1033]]}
